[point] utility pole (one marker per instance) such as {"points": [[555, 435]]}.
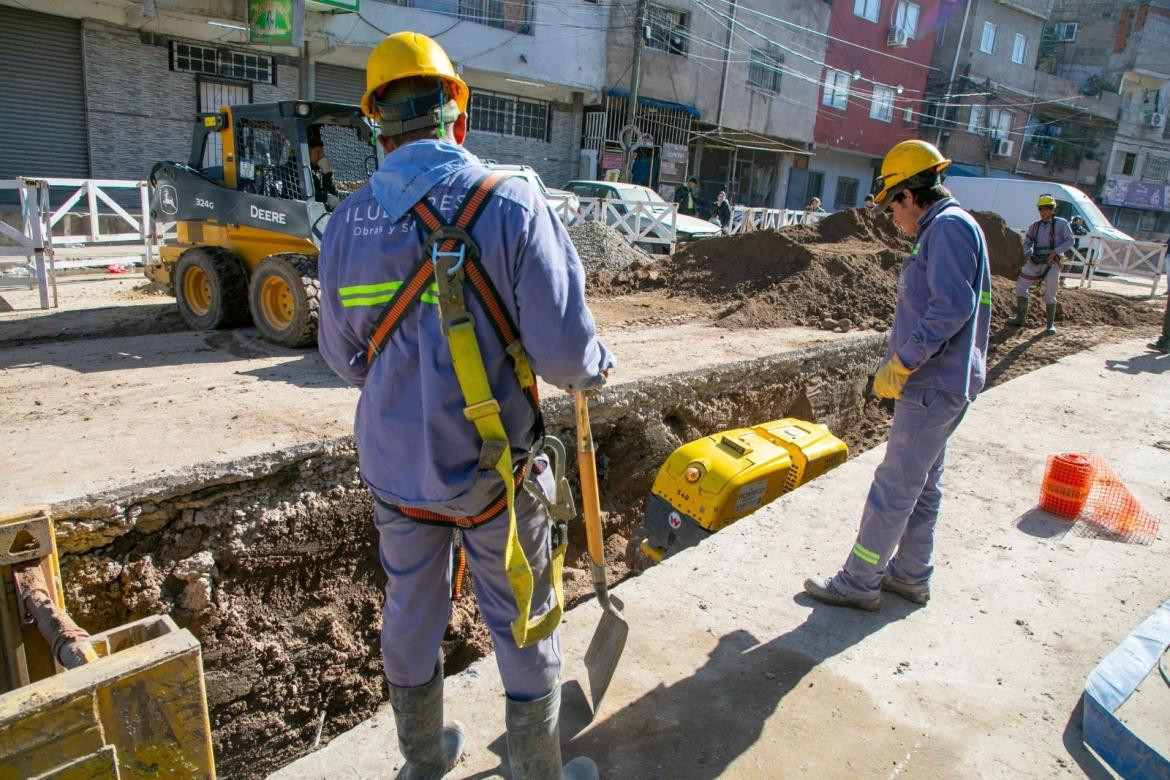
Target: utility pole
{"points": [[636, 68]]}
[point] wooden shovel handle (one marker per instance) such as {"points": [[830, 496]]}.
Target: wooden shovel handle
{"points": [[587, 467]]}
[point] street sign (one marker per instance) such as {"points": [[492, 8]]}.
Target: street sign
{"points": [[270, 21], [676, 153]]}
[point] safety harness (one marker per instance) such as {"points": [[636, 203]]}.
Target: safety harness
{"points": [[1038, 253], [451, 258]]}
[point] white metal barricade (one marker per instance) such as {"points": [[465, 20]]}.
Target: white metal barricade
{"points": [[30, 239], [133, 241], [129, 244], [1145, 259], [639, 222], [747, 219]]}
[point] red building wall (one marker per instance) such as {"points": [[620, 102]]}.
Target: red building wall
{"points": [[853, 129]]}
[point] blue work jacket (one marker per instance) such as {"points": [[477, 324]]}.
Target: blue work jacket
{"points": [[415, 447], [1041, 238], [943, 313]]}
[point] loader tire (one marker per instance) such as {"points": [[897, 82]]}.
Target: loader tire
{"points": [[284, 295], [211, 288]]}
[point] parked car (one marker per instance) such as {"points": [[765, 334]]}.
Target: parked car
{"points": [[687, 228], [551, 194]]}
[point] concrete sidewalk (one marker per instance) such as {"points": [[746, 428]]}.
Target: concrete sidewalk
{"points": [[729, 671]]}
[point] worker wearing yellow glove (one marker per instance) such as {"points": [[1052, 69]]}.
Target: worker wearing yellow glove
{"points": [[935, 366], [891, 378]]}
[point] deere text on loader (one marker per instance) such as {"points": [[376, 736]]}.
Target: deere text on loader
{"points": [[249, 209]]}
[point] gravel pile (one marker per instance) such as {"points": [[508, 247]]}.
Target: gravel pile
{"points": [[603, 248]]}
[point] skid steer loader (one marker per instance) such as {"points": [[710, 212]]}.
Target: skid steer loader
{"points": [[249, 211]]}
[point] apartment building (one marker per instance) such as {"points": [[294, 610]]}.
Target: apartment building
{"points": [[105, 88], [872, 91], [726, 93]]}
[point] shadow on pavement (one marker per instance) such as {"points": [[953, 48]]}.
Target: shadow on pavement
{"points": [[1148, 363], [1074, 742], [1036, 522]]}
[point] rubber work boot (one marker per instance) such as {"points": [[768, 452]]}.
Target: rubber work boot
{"points": [[919, 594], [429, 747], [1050, 313], [1161, 345], [1021, 312], [534, 741], [824, 591]]}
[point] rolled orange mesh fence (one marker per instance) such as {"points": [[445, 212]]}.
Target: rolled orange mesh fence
{"points": [[1084, 488]]}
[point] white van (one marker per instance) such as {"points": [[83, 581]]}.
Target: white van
{"points": [[1015, 201]]}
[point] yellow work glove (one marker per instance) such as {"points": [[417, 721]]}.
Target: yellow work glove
{"points": [[891, 378]]}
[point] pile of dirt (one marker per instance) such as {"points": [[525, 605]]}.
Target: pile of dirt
{"points": [[1005, 248], [845, 267], [603, 248]]}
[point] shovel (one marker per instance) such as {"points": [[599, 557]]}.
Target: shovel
{"points": [[609, 640]]}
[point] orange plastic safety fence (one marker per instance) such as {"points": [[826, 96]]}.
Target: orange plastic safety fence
{"points": [[1086, 489]]}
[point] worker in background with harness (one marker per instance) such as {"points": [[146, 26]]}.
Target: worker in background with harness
{"points": [[936, 363], [445, 290], [1045, 242]]}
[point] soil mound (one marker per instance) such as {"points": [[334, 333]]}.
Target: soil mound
{"points": [[845, 267], [1005, 248], [603, 248]]}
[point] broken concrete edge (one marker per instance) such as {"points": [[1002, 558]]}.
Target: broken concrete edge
{"points": [[95, 520]]}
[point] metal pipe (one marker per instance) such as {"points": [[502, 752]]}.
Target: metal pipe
{"points": [[69, 642]]}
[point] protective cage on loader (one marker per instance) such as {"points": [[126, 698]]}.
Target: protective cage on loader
{"points": [[249, 208], [710, 483], [129, 702]]}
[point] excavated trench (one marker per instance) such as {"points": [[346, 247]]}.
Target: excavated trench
{"points": [[272, 561]]}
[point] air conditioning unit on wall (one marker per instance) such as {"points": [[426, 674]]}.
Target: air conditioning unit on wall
{"points": [[1155, 119], [1002, 148], [897, 37]]}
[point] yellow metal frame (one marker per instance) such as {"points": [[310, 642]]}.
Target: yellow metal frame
{"points": [[26, 535]]}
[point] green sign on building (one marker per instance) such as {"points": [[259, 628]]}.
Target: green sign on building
{"points": [[270, 21]]}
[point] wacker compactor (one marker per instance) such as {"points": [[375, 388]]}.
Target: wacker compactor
{"points": [[250, 206], [710, 483]]}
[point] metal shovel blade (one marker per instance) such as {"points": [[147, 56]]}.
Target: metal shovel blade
{"points": [[605, 650], [609, 640]]}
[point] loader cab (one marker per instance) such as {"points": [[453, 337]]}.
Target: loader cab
{"points": [[263, 149]]}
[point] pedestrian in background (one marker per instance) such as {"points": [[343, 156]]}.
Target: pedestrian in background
{"points": [[723, 211], [814, 206], [935, 366], [688, 198]]}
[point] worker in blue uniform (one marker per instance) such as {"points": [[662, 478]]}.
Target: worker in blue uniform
{"points": [[435, 249], [934, 367], [1045, 242]]}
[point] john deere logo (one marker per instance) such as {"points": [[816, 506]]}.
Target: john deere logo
{"points": [[168, 199]]}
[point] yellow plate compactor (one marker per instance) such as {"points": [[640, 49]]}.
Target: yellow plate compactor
{"points": [[711, 482]]}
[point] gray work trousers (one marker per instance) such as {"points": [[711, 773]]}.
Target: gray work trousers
{"points": [[417, 560], [1051, 281], [905, 497]]}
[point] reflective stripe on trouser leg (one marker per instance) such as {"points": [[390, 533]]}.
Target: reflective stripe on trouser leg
{"points": [[923, 421], [531, 672], [417, 561]]}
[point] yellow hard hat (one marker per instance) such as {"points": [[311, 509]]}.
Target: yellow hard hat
{"points": [[406, 54], [1046, 200], [905, 161]]}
